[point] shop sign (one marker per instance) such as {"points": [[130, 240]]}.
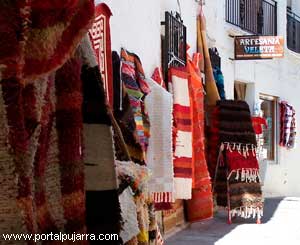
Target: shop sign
{"points": [[258, 47]]}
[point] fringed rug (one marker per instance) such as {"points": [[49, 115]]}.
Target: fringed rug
{"points": [[183, 153], [159, 105], [237, 182]]}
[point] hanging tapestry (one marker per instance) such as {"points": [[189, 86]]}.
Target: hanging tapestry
{"points": [[201, 205], [100, 35], [235, 124], [97, 131], [236, 181], [137, 88], [183, 153], [159, 105], [124, 116], [245, 194], [100, 176], [42, 162]]}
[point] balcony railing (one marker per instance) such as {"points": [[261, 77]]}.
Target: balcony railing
{"points": [[293, 31], [255, 16]]}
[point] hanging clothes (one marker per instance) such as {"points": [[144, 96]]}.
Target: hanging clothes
{"points": [[258, 123], [287, 125]]}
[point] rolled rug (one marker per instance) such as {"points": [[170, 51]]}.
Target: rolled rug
{"points": [[212, 94]]}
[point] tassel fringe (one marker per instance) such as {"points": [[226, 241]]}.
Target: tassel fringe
{"points": [[160, 197], [247, 212], [247, 175]]}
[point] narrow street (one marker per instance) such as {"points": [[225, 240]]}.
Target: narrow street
{"points": [[280, 225]]}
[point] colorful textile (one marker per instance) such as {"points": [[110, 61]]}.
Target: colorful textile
{"points": [[137, 88], [287, 125], [219, 78], [183, 153], [125, 118], [244, 165], [97, 131], [201, 195], [236, 180], [70, 142], [38, 37], [41, 157], [245, 198], [100, 176], [100, 35], [258, 123], [157, 76], [235, 124], [159, 105]]}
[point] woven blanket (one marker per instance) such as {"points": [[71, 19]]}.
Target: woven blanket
{"points": [[201, 204], [42, 35], [98, 143], [237, 176], [238, 179], [132, 75], [235, 124], [124, 116], [183, 152], [244, 165], [38, 38], [245, 198], [159, 105]]}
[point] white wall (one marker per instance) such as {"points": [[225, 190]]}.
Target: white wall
{"points": [[135, 25]]}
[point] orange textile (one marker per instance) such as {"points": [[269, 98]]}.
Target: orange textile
{"points": [[201, 205]]}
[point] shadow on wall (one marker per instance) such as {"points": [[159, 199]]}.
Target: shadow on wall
{"points": [[209, 232]]}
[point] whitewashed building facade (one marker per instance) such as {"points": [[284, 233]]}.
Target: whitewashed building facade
{"points": [[136, 25]]}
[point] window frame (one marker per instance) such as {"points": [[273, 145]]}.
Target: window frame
{"points": [[276, 125]]}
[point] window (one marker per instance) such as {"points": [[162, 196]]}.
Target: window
{"points": [[255, 16], [293, 30], [174, 42], [268, 106]]}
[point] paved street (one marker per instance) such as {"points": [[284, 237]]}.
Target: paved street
{"points": [[280, 225]]}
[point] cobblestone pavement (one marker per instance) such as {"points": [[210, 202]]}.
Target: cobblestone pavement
{"points": [[280, 225]]}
